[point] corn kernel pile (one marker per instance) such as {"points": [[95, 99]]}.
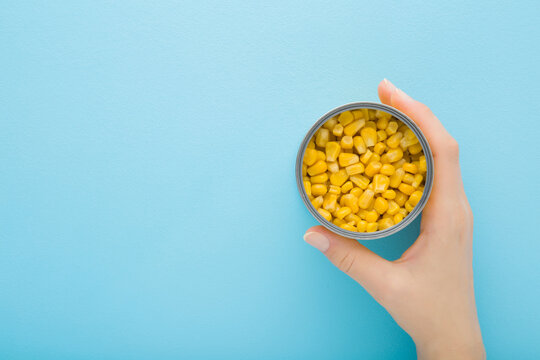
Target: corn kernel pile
{"points": [[364, 170]]}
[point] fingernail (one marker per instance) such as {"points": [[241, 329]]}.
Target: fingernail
{"points": [[392, 87], [317, 240]]}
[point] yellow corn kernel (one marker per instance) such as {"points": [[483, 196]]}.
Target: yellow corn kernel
{"points": [[415, 198], [393, 207], [307, 187], [371, 124], [332, 150], [415, 149], [304, 169], [317, 202], [346, 142], [330, 123], [374, 157], [345, 118], [361, 226], [333, 166], [400, 198], [417, 180], [403, 212], [350, 201], [399, 163], [372, 227], [388, 169], [366, 156], [382, 122], [380, 114], [321, 155], [346, 187], [346, 159], [339, 222], [369, 135], [386, 223], [362, 213], [391, 128], [408, 206], [423, 164], [310, 156], [337, 130], [319, 179], [417, 164], [410, 168], [330, 202], [396, 179], [405, 143], [357, 114], [322, 137], [353, 127], [386, 215], [361, 181], [334, 189], [402, 128], [373, 168], [381, 135], [365, 199], [352, 218], [348, 227], [380, 183], [354, 169], [318, 168], [409, 134], [372, 216], [325, 214], [356, 191], [318, 189], [380, 205], [389, 194], [370, 186], [393, 141], [342, 212], [398, 218], [384, 159], [379, 148], [311, 144], [365, 112], [404, 188], [339, 177], [394, 154], [408, 178], [359, 144]]}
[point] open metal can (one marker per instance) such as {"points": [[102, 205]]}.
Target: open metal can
{"points": [[428, 182]]}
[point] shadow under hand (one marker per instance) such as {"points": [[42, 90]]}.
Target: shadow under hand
{"points": [[392, 247]]}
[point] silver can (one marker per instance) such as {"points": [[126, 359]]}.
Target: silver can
{"points": [[428, 180]]}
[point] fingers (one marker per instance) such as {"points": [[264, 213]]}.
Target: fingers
{"points": [[440, 141], [447, 184], [354, 259]]}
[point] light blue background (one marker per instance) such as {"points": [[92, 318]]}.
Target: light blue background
{"points": [[148, 201]]}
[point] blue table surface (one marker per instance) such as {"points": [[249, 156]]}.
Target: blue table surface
{"points": [[148, 201]]}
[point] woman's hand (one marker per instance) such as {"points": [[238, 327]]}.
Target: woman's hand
{"points": [[429, 290]]}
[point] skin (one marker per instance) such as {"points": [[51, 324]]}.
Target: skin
{"points": [[429, 290]]}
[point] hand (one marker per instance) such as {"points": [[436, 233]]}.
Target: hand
{"points": [[429, 290]]}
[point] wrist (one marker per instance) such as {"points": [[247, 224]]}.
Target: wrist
{"points": [[470, 348]]}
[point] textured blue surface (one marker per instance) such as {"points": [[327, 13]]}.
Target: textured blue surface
{"points": [[148, 201]]}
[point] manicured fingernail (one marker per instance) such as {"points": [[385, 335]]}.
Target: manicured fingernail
{"points": [[317, 240], [390, 85]]}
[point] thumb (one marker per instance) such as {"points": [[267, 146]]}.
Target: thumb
{"points": [[351, 257]]}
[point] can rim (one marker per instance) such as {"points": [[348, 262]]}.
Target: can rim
{"points": [[428, 180]]}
